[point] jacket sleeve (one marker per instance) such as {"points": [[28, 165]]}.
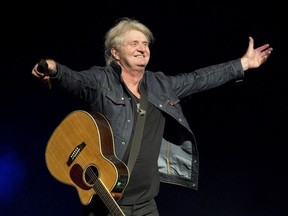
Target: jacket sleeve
{"points": [[206, 78]]}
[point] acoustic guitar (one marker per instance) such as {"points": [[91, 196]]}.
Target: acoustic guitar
{"points": [[80, 153]]}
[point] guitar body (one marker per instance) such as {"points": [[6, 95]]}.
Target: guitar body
{"points": [[80, 153]]}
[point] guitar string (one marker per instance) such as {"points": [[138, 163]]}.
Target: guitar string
{"points": [[105, 198]]}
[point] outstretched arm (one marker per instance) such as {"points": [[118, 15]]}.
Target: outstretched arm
{"points": [[253, 58]]}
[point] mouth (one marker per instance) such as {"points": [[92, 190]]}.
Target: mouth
{"points": [[140, 56]]}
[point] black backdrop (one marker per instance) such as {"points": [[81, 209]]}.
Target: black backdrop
{"points": [[240, 127]]}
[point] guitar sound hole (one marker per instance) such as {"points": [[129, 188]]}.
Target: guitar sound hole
{"points": [[91, 175]]}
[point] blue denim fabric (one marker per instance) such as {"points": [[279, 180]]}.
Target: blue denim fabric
{"points": [[103, 89]]}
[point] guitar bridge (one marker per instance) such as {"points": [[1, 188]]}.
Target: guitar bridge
{"points": [[75, 153]]}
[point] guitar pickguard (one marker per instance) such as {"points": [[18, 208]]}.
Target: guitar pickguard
{"points": [[76, 175]]}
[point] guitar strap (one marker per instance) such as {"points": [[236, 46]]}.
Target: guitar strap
{"points": [[137, 138]]}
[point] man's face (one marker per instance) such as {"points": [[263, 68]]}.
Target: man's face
{"points": [[135, 52]]}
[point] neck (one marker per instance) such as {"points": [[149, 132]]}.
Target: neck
{"points": [[132, 79]]}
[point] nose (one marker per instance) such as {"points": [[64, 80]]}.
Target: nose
{"points": [[141, 47]]}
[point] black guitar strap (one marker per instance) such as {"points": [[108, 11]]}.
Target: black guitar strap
{"points": [[137, 138]]}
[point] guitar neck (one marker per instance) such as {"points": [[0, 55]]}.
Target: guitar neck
{"points": [[107, 198]]}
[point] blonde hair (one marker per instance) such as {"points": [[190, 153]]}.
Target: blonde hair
{"points": [[115, 36]]}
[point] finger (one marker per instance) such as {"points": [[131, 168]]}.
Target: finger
{"points": [[263, 48], [267, 52], [251, 42], [264, 59], [36, 73]]}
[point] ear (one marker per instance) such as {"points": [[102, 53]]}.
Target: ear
{"points": [[115, 53]]}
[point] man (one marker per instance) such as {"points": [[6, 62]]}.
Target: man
{"points": [[166, 154]]}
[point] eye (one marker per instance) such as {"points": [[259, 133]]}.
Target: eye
{"points": [[136, 43]]}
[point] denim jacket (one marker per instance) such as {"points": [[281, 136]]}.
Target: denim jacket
{"points": [[102, 88]]}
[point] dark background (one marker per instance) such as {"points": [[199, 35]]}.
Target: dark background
{"points": [[240, 127]]}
